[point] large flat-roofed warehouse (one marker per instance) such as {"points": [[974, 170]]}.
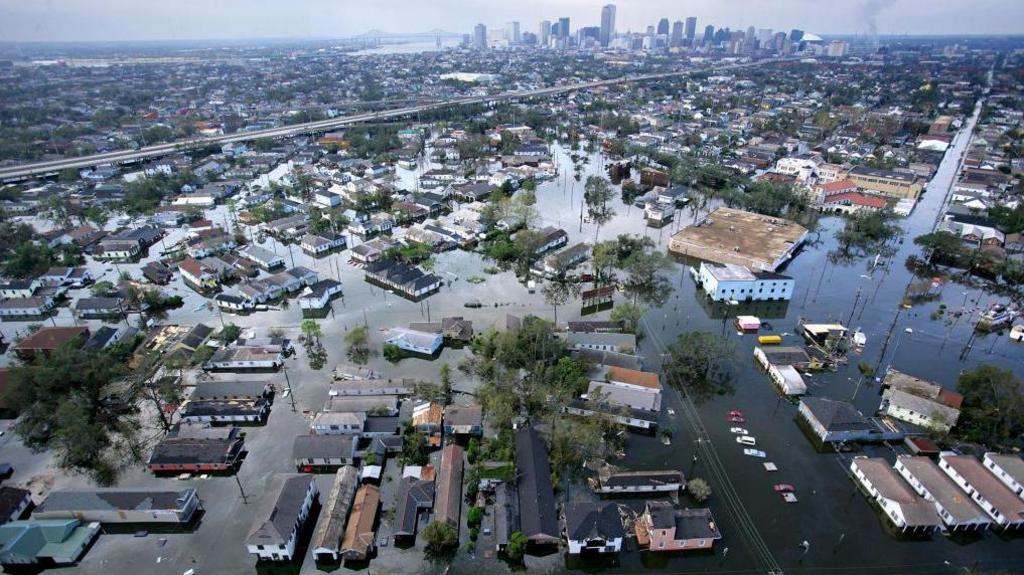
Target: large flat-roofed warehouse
{"points": [[730, 236]]}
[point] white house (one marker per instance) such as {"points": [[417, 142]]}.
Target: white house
{"points": [[986, 489], [906, 509], [1008, 468], [319, 294], [274, 539], [925, 477], [801, 168], [593, 527], [25, 307], [415, 341], [338, 423], [726, 282]]}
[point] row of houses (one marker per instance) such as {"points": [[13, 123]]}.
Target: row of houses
{"points": [[958, 493]]}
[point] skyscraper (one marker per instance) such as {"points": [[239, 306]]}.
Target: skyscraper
{"points": [[607, 24], [709, 34], [563, 28], [796, 35], [663, 26], [514, 37], [691, 28], [677, 34], [480, 37], [545, 33], [748, 40]]}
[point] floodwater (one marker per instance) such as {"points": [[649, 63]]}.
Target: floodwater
{"points": [[844, 532]]}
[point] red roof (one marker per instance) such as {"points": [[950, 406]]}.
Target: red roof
{"points": [[193, 267], [837, 186], [49, 338], [857, 199]]}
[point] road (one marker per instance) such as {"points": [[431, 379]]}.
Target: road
{"points": [[52, 167]]}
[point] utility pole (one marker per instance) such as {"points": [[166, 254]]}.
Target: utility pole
{"points": [[288, 381], [245, 499]]}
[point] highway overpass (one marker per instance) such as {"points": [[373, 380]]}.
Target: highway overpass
{"points": [[53, 167]]}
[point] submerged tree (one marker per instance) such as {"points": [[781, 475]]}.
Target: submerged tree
{"points": [[699, 363]]}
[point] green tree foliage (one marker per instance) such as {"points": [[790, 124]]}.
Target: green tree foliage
{"points": [[440, 536], [630, 314], [559, 291], [699, 489], [515, 549], [356, 340], [145, 194], [446, 383], [391, 352], [699, 362], [475, 517], [866, 233], [76, 403], [597, 192], [992, 412]]}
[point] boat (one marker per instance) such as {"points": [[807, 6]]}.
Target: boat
{"points": [[746, 440], [995, 318], [769, 339], [754, 453], [739, 431]]}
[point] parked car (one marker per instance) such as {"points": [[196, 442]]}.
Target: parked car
{"points": [[784, 488], [754, 453], [737, 419], [746, 440], [739, 431]]}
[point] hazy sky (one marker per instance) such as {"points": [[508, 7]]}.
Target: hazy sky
{"points": [[188, 19]]}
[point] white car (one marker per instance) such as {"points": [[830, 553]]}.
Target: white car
{"points": [[746, 440], [739, 431]]}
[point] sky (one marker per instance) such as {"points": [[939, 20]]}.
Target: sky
{"points": [[105, 20]]}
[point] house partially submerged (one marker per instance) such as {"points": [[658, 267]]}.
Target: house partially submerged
{"points": [[112, 506], [538, 515], [275, 538], [663, 528], [593, 527], [359, 540], [900, 504], [326, 542]]}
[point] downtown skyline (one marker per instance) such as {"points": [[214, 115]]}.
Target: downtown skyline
{"points": [[112, 20]]}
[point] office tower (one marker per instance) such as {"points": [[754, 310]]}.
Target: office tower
{"points": [[514, 37], [677, 33], [796, 35], [663, 26], [480, 37], [764, 37], [748, 39], [709, 34], [545, 33], [607, 24], [691, 28], [563, 28]]}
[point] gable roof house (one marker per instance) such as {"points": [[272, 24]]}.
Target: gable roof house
{"points": [[901, 505], [538, 515], [593, 527], [275, 537], [358, 542], [414, 496], [326, 542], [45, 541], [448, 503]]}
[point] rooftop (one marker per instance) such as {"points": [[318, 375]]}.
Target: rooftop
{"points": [[733, 236]]}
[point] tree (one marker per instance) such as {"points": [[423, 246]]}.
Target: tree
{"points": [[97, 215], [230, 333], [392, 352], [699, 489], [644, 279], [515, 549], [475, 517], [597, 192], [356, 339], [102, 288], [865, 233], [559, 291], [446, 383], [630, 314], [698, 363], [311, 332], [993, 408], [440, 536]]}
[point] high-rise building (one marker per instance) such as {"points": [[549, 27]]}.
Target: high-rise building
{"points": [[480, 37], [691, 27], [796, 35], [748, 40], [677, 34], [563, 28], [607, 24], [513, 35], [545, 33], [709, 34], [663, 26], [764, 37]]}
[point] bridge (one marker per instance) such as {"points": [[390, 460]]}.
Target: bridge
{"points": [[54, 167]]}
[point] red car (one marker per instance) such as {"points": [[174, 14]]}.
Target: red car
{"points": [[784, 488], [737, 419], [736, 413]]}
